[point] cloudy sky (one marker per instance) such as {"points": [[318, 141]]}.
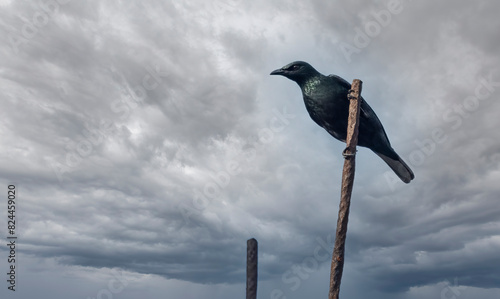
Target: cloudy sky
{"points": [[147, 142]]}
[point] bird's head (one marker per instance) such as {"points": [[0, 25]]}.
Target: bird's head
{"points": [[298, 71]]}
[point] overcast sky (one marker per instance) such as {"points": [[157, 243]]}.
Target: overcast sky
{"points": [[148, 142]]}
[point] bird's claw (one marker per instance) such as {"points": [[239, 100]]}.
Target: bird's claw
{"points": [[349, 94], [346, 155]]}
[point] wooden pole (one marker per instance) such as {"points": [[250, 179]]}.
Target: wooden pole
{"points": [[252, 253], [349, 153]]}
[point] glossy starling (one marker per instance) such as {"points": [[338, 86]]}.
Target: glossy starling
{"points": [[326, 101]]}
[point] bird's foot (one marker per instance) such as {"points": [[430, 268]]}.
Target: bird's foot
{"points": [[350, 95], [345, 154]]}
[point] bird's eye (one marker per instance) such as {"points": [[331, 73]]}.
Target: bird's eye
{"points": [[293, 68]]}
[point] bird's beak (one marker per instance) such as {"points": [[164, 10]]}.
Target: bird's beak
{"points": [[277, 72]]}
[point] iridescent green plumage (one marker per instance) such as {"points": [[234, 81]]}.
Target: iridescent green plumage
{"points": [[325, 98]]}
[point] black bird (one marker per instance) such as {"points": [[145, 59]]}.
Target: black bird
{"points": [[326, 101]]}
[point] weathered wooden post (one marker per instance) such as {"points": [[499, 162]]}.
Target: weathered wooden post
{"points": [[252, 253], [349, 154]]}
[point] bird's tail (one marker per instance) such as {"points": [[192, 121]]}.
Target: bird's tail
{"points": [[402, 170]]}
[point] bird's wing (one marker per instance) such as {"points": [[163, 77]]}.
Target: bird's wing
{"points": [[372, 121], [342, 81], [368, 119], [366, 110], [345, 84]]}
